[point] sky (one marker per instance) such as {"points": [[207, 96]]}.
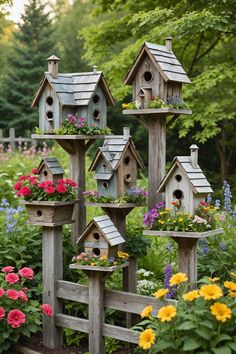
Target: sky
{"points": [[16, 10]]}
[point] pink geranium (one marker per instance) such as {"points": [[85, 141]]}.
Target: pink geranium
{"points": [[22, 296], [11, 278], [13, 294], [2, 313], [2, 292], [8, 269], [24, 191], [47, 309], [50, 190], [15, 318], [17, 185], [61, 188], [34, 171], [70, 182], [26, 273]]}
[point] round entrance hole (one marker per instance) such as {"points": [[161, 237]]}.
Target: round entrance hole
{"points": [[96, 251], [39, 212], [178, 194], [178, 178], [127, 160], [49, 115], [104, 165], [45, 173], [96, 235], [105, 185], [49, 100], [96, 99], [128, 177], [147, 76], [96, 114]]}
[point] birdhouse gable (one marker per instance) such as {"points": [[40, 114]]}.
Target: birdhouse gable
{"points": [[50, 168]]}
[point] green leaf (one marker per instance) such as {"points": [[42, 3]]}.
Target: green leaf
{"points": [[207, 324], [190, 344], [224, 337], [186, 326], [206, 334], [232, 345], [222, 350]]}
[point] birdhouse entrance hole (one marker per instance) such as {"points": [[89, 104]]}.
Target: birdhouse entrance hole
{"points": [[45, 173], [105, 185], [178, 194], [127, 160], [96, 114], [96, 251], [96, 99], [147, 76], [96, 235], [128, 178], [49, 100], [49, 115], [39, 212], [178, 178]]}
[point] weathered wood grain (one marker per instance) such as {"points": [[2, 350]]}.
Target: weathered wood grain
{"points": [[78, 324], [99, 269], [182, 234], [123, 334], [156, 111]]}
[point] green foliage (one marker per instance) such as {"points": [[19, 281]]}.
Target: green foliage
{"points": [[136, 244], [111, 345]]}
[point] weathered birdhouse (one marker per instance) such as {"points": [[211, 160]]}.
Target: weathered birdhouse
{"points": [[116, 165], [86, 94], [156, 72], [185, 182], [50, 169], [101, 237]]}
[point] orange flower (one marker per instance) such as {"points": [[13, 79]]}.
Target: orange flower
{"points": [[191, 295], [146, 311], [161, 293], [221, 311], [210, 292], [178, 278], [147, 338], [166, 313], [230, 285]]}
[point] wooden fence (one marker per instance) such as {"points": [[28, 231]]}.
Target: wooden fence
{"points": [[13, 140]]}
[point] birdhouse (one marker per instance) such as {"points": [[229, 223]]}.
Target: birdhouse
{"points": [[101, 237], [156, 72], [116, 165], [50, 169], [86, 94], [185, 182]]}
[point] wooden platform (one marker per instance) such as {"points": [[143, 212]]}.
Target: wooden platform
{"points": [[67, 137], [113, 205], [183, 234], [156, 111], [97, 268]]}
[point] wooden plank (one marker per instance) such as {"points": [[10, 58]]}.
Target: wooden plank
{"points": [[113, 205], [72, 291], [172, 68], [182, 234], [50, 203], [66, 137], [123, 334], [99, 269], [101, 218], [78, 324], [50, 224], [12, 138], [25, 350], [187, 258], [156, 111]]}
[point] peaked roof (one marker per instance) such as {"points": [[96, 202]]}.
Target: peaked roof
{"points": [[196, 177], [53, 165], [107, 228], [75, 89], [113, 149], [164, 60]]}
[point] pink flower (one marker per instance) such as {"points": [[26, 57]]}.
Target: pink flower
{"points": [[11, 278], [50, 190], [25, 289], [34, 171], [47, 309], [34, 180], [45, 184], [23, 296], [13, 294], [70, 182], [2, 313], [24, 191], [15, 318], [23, 178], [17, 186], [26, 273], [2, 292], [61, 188], [8, 269]]}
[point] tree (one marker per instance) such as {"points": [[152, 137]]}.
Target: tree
{"points": [[204, 41], [31, 46]]}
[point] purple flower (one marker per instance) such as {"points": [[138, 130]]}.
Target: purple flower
{"points": [[160, 205], [209, 199], [169, 247], [167, 276], [227, 196], [234, 213], [71, 118], [4, 202], [204, 249], [217, 203], [150, 217]]}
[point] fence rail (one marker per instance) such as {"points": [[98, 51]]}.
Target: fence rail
{"points": [[13, 140]]}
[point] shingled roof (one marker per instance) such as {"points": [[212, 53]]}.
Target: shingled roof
{"points": [[113, 148], [164, 60], [75, 89], [107, 228], [53, 165], [196, 177]]}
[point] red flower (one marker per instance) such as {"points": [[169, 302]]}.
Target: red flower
{"points": [[2, 313], [50, 190], [47, 309], [23, 178], [24, 191], [34, 171], [23, 296], [13, 294], [70, 182], [61, 181], [17, 186], [34, 180], [11, 278], [26, 273], [8, 269], [174, 203], [25, 289], [61, 188], [2, 292], [15, 318], [45, 184], [203, 203]]}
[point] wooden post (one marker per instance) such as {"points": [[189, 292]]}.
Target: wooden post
{"points": [[157, 157], [52, 271], [187, 252], [12, 138], [96, 312]]}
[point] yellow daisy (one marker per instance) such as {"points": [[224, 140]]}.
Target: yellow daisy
{"points": [[221, 311], [233, 274], [146, 338], [166, 313], [178, 278], [103, 258], [180, 219], [232, 293], [191, 295], [230, 285], [213, 280], [210, 292], [161, 293], [146, 311]]}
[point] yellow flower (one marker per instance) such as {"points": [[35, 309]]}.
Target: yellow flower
{"points": [[213, 280], [232, 293], [220, 311], [146, 311], [162, 213], [191, 295], [178, 279], [230, 285], [210, 292], [233, 274], [168, 209], [103, 258], [161, 222], [92, 264], [161, 293], [125, 105], [122, 254], [166, 313], [147, 338], [180, 219]]}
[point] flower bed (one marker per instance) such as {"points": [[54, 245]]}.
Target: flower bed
{"points": [[156, 102], [133, 195], [103, 261]]}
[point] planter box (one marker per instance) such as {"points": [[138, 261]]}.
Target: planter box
{"points": [[183, 234], [49, 213]]}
